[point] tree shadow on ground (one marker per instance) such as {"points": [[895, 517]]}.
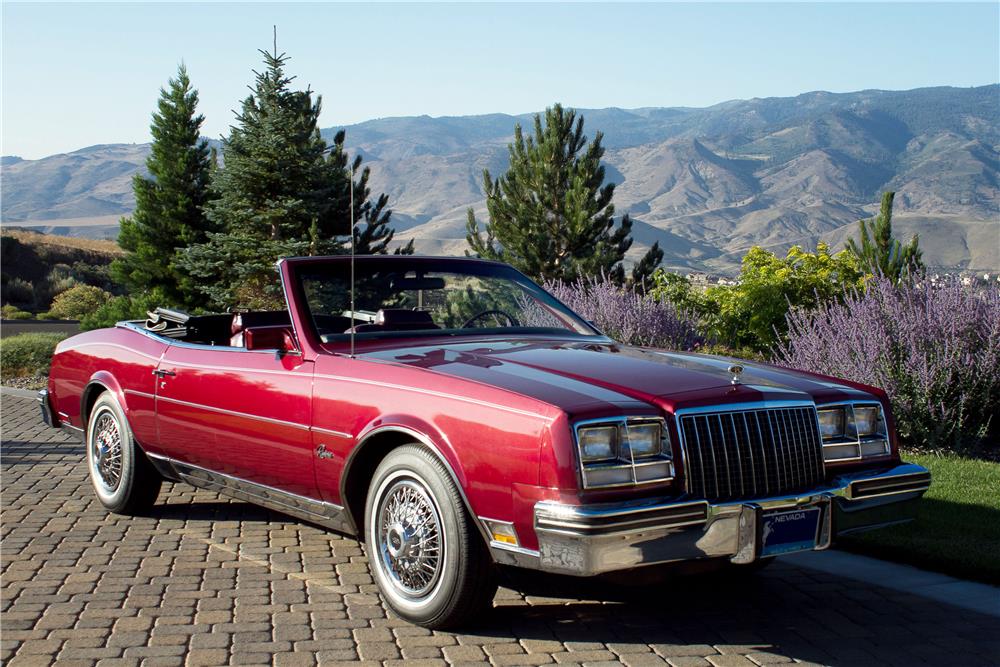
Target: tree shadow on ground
{"points": [[784, 610], [26, 452]]}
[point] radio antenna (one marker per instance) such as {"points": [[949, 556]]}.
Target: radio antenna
{"points": [[351, 188]]}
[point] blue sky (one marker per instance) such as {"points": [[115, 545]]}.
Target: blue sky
{"points": [[81, 74]]}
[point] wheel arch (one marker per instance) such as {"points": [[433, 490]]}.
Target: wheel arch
{"points": [[371, 449], [100, 382]]}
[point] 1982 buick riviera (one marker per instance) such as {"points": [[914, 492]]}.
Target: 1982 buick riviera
{"points": [[455, 417]]}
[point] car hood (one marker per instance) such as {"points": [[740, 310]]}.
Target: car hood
{"points": [[579, 376]]}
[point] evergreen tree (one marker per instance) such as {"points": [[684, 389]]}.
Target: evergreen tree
{"points": [[374, 236], [281, 191], [882, 254], [551, 214], [170, 202]]}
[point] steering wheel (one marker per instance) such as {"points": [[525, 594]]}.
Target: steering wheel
{"points": [[511, 320]]}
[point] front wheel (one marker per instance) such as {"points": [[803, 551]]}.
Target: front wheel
{"points": [[427, 556], [123, 478]]}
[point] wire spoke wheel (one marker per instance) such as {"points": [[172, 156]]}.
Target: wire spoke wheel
{"points": [[425, 551], [106, 451], [409, 537]]}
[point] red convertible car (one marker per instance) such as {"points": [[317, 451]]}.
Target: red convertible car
{"points": [[456, 418]]}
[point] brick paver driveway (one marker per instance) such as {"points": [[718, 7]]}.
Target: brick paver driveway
{"points": [[206, 580]]}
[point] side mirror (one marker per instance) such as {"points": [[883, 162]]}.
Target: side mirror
{"points": [[278, 338]]}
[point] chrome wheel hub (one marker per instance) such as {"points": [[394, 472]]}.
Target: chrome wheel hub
{"points": [[409, 538], [106, 451]]}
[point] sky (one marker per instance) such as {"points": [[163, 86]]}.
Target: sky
{"points": [[80, 74]]}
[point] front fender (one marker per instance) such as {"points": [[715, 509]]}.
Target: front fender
{"points": [[99, 382], [421, 431], [375, 441], [138, 407]]}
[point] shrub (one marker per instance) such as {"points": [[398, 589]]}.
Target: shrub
{"points": [[934, 349], [627, 315], [77, 302], [120, 308], [98, 275], [57, 280], [751, 314], [14, 313], [18, 291], [28, 355], [678, 290]]}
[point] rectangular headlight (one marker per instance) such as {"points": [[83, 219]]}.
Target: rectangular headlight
{"points": [[852, 432], [866, 420], [644, 440], [832, 423], [624, 451], [598, 443]]}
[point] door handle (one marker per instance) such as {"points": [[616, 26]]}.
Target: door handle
{"points": [[160, 373]]}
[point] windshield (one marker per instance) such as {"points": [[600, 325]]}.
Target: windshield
{"points": [[405, 297]]}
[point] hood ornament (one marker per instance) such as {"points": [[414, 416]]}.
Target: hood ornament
{"points": [[737, 371]]}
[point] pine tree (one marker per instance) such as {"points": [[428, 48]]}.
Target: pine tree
{"points": [[169, 203], [551, 214], [282, 191], [375, 235], [882, 254]]}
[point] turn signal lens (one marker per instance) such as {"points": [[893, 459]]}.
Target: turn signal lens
{"points": [[874, 448], [502, 532]]}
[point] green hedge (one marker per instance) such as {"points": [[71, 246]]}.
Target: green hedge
{"points": [[28, 355], [14, 313]]}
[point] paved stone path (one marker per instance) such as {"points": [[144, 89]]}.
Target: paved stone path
{"points": [[208, 581]]}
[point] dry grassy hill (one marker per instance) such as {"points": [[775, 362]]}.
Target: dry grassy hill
{"points": [[706, 183], [34, 267]]}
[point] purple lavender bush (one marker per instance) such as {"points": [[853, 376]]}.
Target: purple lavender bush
{"points": [[629, 316], [935, 349]]}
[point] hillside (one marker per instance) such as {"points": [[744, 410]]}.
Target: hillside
{"points": [[38, 266], [707, 183]]}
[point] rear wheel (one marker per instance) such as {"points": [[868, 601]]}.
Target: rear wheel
{"points": [[123, 478], [427, 556]]}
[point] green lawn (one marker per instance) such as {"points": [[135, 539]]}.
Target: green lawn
{"points": [[957, 530]]}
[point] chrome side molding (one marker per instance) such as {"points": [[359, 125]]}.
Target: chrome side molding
{"points": [[328, 515]]}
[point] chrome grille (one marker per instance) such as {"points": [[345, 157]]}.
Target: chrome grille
{"points": [[751, 453]]}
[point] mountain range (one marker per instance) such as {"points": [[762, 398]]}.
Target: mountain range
{"points": [[707, 183]]}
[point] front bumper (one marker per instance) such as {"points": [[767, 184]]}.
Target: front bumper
{"points": [[592, 539]]}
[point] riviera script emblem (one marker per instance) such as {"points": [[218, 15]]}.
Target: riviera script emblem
{"points": [[323, 453]]}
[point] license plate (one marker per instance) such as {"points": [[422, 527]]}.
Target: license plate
{"points": [[785, 532]]}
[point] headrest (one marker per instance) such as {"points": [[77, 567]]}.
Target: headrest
{"points": [[401, 317], [261, 318], [397, 319]]}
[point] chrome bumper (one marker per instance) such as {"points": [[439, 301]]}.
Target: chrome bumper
{"points": [[48, 415], [591, 539]]}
